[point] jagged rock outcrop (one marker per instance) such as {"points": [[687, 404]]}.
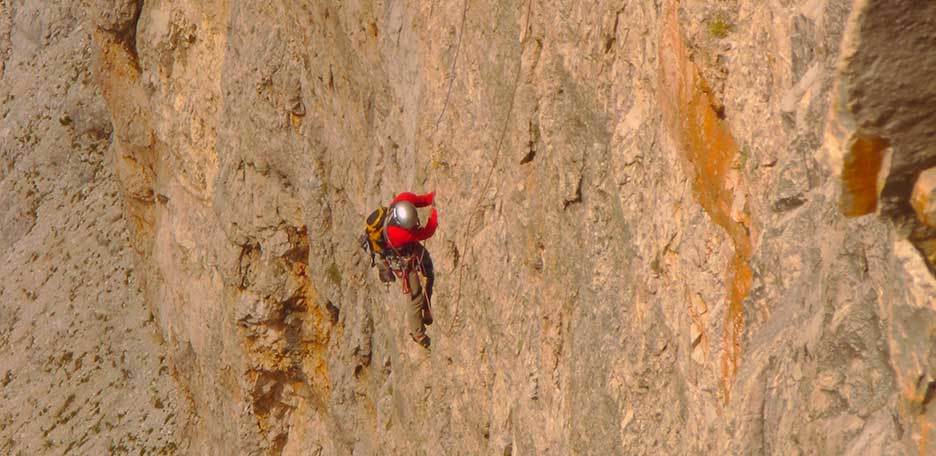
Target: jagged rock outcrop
{"points": [[666, 227]]}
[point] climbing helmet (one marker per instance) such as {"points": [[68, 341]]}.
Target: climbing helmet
{"points": [[404, 215]]}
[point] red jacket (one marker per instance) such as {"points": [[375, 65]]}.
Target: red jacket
{"points": [[400, 237]]}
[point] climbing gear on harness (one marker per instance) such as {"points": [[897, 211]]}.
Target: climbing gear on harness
{"points": [[404, 215], [402, 266]]}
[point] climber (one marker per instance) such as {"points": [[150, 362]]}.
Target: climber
{"points": [[393, 233]]}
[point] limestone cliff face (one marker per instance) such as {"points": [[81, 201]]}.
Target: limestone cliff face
{"points": [[666, 227], [83, 370]]}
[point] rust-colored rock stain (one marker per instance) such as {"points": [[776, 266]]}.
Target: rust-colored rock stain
{"points": [[860, 171], [690, 115], [295, 364]]}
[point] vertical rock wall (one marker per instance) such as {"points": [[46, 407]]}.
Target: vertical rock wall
{"points": [[881, 139], [637, 239], [666, 227]]}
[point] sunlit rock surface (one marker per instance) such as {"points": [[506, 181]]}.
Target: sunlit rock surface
{"points": [[666, 227]]}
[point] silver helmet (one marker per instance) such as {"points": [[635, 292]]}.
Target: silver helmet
{"points": [[404, 215]]}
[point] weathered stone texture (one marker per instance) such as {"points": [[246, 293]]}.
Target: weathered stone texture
{"points": [[666, 227], [83, 369]]}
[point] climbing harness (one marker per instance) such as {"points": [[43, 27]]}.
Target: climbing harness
{"points": [[402, 264]]}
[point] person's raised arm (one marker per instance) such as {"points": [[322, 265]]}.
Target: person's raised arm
{"points": [[417, 200], [427, 231]]}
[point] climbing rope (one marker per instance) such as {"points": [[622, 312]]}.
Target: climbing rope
{"points": [[451, 81], [448, 92], [466, 245]]}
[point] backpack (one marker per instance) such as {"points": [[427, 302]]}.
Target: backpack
{"points": [[373, 240]]}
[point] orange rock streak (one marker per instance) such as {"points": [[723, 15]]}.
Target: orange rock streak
{"points": [[860, 175], [706, 142]]}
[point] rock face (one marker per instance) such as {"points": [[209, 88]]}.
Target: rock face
{"points": [[666, 227], [83, 368]]}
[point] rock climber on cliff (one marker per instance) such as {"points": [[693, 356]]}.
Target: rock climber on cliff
{"points": [[393, 234]]}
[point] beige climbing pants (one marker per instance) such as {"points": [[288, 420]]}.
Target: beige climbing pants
{"points": [[414, 306]]}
